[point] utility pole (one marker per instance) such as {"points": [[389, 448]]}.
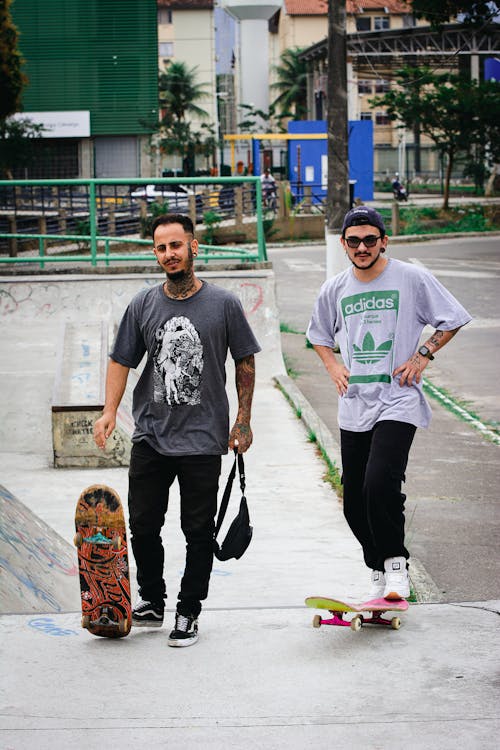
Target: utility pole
{"points": [[337, 201]]}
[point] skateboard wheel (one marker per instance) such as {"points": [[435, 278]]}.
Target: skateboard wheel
{"points": [[85, 621], [317, 621], [123, 626], [117, 543], [78, 539], [356, 623], [395, 623]]}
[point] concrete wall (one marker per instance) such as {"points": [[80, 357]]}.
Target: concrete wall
{"points": [[34, 308]]}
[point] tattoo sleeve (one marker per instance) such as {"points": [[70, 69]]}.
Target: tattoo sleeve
{"points": [[245, 382], [440, 338]]}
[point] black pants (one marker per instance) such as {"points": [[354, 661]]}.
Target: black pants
{"points": [[150, 477], [374, 465]]}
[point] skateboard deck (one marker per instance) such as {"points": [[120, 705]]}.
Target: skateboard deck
{"points": [[101, 542], [366, 613]]}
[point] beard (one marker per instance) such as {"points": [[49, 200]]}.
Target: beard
{"points": [[365, 268], [177, 276], [185, 273]]}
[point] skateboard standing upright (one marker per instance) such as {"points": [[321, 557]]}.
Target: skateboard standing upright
{"points": [[101, 542], [367, 613]]}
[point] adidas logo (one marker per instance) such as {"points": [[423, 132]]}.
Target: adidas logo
{"points": [[369, 354], [369, 303]]}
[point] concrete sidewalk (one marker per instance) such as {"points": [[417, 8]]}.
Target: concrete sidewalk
{"points": [[260, 675]]}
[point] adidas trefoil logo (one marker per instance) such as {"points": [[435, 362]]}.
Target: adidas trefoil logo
{"points": [[369, 354]]}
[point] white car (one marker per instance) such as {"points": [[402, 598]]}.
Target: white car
{"points": [[176, 196]]}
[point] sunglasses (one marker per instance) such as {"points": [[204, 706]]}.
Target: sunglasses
{"points": [[354, 242]]}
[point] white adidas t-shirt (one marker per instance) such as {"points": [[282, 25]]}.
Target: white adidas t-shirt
{"points": [[377, 326]]}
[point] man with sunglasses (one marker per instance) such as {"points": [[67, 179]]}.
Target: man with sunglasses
{"points": [[374, 314]]}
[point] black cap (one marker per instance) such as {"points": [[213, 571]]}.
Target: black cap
{"points": [[363, 215]]}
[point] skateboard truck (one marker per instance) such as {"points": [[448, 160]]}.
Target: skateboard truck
{"points": [[367, 613], [357, 621]]}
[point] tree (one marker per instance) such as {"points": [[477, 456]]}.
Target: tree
{"points": [[459, 115], [258, 120], [292, 85], [471, 12], [12, 79], [17, 137], [179, 95]]}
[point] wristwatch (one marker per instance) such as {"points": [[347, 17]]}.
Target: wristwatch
{"points": [[425, 352]]}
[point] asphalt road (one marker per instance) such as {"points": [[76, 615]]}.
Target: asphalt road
{"points": [[453, 509]]}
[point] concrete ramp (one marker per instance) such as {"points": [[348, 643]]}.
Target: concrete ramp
{"points": [[39, 569]]}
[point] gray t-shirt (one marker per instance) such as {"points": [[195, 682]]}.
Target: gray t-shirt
{"points": [[180, 404], [377, 326]]}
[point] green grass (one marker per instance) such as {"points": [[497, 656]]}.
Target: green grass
{"points": [[285, 328], [435, 220], [289, 367]]}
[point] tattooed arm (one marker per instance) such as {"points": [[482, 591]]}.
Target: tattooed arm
{"points": [[245, 381], [411, 370]]}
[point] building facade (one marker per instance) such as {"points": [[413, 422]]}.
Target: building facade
{"points": [[93, 84]]}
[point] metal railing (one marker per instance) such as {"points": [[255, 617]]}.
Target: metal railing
{"points": [[96, 203]]}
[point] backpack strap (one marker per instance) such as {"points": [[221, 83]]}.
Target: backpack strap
{"points": [[238, 461]]}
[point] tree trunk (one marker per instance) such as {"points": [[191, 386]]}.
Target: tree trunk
{"points": [[447, 179], [337, 203]]}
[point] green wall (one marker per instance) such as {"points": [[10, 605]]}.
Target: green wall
{"points": [[97, 55]]}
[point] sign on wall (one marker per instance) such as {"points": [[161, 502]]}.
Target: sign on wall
{"points": [[70, 124]]}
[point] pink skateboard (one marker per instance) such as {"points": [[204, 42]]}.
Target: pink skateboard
{"points": [[367, 613]]}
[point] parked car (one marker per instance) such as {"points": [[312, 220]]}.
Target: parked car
{"points": [[177, 196]]}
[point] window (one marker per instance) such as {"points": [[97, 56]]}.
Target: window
{"points": [[382, 118], [164, 16], [408, 21], [363, 23], [382, 86], [166, 49], [366, 116], [382, 22], [364, 87]]}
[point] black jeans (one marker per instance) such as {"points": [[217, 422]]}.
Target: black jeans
{"points": [[150, 476], [374, 465]]}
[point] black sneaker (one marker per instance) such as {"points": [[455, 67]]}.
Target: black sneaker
{"points": [[185, 632], [147, 614]]}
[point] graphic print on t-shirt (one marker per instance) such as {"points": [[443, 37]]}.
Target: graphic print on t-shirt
{"points": [[178, 363], [370, 320]]}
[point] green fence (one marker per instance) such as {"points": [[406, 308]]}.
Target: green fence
{"points": [[91, 199]]}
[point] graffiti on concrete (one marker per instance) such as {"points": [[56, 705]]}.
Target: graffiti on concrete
{"points": [[47, 626], [38, 567]]}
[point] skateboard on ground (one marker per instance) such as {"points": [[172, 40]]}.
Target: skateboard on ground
{"points": [[101, 542], [367, 613]]}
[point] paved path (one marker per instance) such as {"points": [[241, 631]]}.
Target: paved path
{"points": [[260, 675]]}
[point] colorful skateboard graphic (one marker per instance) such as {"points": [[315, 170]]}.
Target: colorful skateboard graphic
{"points": [[101, 543], [367, 613]]}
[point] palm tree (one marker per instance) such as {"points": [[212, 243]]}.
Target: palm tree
{"points": [[292, 84], [179, 92]]}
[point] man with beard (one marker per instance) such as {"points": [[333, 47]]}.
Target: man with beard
{"points": [[374, 314], [181, 412]]}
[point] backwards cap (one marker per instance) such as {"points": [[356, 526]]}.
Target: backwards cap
{"points": [[363, 215]]}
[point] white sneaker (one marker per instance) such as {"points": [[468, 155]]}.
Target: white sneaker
{"points": [[397, 583], [378, 585]]}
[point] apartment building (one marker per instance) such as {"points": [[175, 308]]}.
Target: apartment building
{"points": [[186, 32], [304, 23]]}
